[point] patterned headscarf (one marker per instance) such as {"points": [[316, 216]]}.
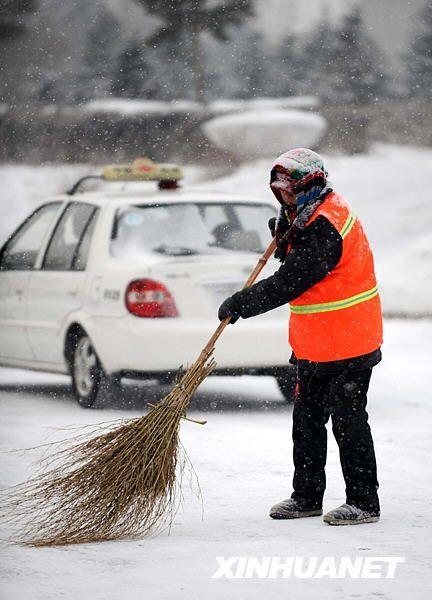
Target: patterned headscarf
{"points": [[300, 171]]}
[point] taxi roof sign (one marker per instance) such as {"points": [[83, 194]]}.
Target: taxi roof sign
{"points": [[142, 169]]}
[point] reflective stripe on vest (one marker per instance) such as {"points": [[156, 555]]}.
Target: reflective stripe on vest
{"points": [[338, 305], [348, 225]]}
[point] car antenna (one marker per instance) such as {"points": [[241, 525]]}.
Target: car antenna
{"points": [[76, 185]]}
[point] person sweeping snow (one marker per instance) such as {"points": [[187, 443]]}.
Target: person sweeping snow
{"points": [[123, 479], [327, 277]]}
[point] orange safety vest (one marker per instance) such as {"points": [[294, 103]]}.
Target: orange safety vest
{"points": [[340, 316]]}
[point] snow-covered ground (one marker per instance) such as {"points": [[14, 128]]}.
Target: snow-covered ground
{"points": [[388, 189], [243, 459]]}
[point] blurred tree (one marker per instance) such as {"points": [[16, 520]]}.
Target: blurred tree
{"points": [[284, 71], [250, 63], [99, 59], [361, 69], [419, 58], [48, 88], [151, 73], [316, 64], [237, 69], [343, 64], [132, 71], [185, 21], [12, 16]]}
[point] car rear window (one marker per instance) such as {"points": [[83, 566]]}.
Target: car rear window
{"points": [[191, 228]]}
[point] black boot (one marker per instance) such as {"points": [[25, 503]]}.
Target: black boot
{"points": [[347, 514], [293, 509]]}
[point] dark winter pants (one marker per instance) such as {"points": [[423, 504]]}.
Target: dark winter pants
{"points": [[342, 396]]}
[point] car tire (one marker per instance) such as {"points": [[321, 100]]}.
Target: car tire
{"points": [[92, 386], [287, 383]]}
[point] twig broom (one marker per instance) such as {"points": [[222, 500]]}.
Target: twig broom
{"points": [[121, 480]]}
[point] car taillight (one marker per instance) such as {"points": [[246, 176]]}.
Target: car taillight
{"points": [[151, 299]]}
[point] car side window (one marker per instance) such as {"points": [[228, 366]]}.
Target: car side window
{"points": [[64, 243], [81, 255], [20, 252]]}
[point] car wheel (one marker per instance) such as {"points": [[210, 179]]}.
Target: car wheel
{"points": [[287, 382], [93, 388]]}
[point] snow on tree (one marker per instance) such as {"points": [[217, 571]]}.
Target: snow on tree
{"points": [[184, 22], [343, 64], [249, 63], [285, 68], [316, 75], [419, 58], [132, 71], [237, 69], [100, 56], [153, 72], [362, 72]]}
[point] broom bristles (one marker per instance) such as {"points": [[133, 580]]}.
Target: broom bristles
{"points": [[123, 482]]}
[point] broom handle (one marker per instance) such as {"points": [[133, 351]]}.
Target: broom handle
{"points": [[251, 279]]}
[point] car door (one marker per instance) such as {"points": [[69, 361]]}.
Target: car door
{"points": [[17, 259], [57, 288]]}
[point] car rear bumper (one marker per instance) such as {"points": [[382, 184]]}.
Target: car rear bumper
{"points": [[133, 345]]}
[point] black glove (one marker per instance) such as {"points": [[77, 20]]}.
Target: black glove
{"points": [[228, 308], [272, 225], [278, 227], [281, 252]]}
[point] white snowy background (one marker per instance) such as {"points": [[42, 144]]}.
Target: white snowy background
{"points": [[243, 454]]}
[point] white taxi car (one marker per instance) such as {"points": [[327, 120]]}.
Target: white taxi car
{"points": [[126, 283]]}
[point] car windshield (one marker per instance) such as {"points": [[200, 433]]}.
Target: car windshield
{"points": [[188, 229]]}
